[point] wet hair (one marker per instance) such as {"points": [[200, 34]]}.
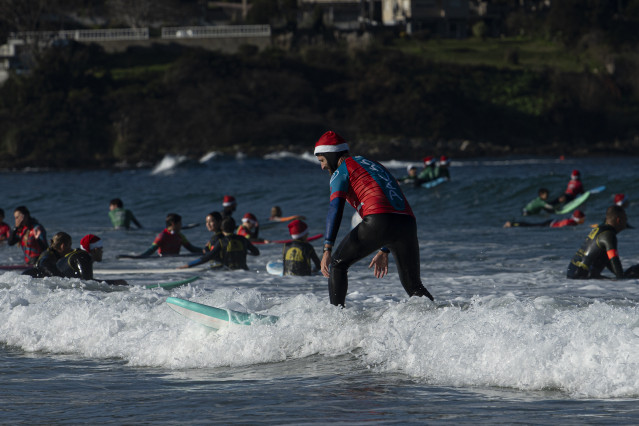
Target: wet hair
{"points": [[228, 225], [217, 217], [23, 210], [172, 219], [59, 239], [277, 210], [2, 212], [117, 202], [543, 191], [613, 213]]}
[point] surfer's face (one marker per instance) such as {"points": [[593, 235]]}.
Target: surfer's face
{"points": [[96, 254], [324, 163], [19, 218]]}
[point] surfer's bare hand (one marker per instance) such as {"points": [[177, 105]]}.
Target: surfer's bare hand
{"points": [[326, 262], [380, 264]]}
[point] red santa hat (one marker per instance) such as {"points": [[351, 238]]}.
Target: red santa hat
{"points": [[298, 229], [444, 160], [228, 201], [330, 142], [249, 217], [575, 175], [90, 242], [578, 216], [620, 199], [429, 160]]}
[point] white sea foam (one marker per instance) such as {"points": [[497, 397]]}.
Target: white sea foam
{"points": [[168, 163], [587, 350]]}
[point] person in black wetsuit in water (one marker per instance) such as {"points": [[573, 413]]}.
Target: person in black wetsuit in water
{"points": [[299, 253], [79, 262], [46, 265], [599, 251]]}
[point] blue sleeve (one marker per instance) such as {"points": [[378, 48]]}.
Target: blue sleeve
{"points": [[334, 219]]}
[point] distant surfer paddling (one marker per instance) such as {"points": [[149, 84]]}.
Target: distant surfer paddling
{"points": [[388, 224]]}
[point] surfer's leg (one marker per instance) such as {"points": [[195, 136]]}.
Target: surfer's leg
{"points": [[405, 250], [359, 243]]}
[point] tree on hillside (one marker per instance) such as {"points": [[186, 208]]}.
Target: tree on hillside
{"points": [[570, 20]]}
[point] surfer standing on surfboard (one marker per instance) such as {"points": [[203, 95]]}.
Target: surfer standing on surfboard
{"points": [[388, 224]]}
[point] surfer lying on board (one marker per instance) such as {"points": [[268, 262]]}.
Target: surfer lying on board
{"points": [[574, 188], [169, 241], [276, 215], [29, 233], [298, 254], [411, 177], [5, 230], [599, 251], [428, 172], [441, 169], [577, 218], [538, 204], [231, 249], [46, 265], [79, 262], [388, 223]]}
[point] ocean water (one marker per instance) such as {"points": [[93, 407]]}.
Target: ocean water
{"points": [[508, 339]]}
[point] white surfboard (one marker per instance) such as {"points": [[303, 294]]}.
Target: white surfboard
{"points": [[213, 317], [131, 271]]}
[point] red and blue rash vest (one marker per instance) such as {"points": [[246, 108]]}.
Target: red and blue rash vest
{"points": [[367, 186]]}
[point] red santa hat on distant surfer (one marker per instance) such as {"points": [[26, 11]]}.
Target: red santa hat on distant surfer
{"points": [[330, 142], [250, 218], [578, 216], [90, 242], [575, 175], [429, 160], [298, 229], [621, 200], [228, 201]]}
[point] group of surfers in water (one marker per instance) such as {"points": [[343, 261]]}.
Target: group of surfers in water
{"points": [[387, 226], [226, 249], [432, 170]]}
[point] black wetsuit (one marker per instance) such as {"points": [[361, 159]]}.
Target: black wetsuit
{"points": [[396, 232], [46, 265], [232, 249], [210, 256], [297, 258], [77, 264], [599, 251]]}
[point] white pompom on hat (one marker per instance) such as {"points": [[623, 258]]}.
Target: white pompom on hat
{"points": [[297, 229], [90, 242], [250, 217]]}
